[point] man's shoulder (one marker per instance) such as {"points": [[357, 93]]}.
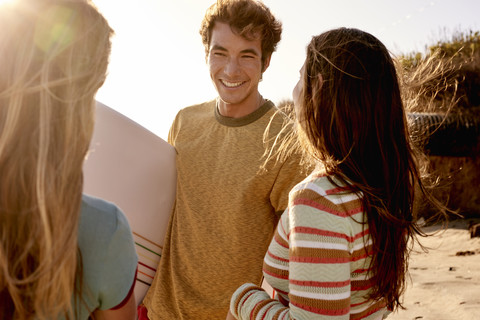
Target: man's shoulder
{"points": [[279, 115], [191, 119], [205, 107], [278, 122]]}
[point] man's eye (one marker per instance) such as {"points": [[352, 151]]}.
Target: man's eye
{"points": [[219, 54]]}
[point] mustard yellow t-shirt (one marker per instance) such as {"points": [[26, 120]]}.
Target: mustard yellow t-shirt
{"points": [[225, 213]]}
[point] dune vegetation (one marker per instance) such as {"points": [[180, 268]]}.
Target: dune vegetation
{"points": [[442, 96], [447, 75]]}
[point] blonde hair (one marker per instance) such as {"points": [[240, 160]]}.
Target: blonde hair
{"points": [[54, 57]]}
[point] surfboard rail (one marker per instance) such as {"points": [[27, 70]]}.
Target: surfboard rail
{"points": [[135, 169]]}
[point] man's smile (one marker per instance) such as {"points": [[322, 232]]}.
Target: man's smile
{"points": [[232, 84]]}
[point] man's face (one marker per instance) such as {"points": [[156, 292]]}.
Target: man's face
{"points": [[235, 66]]}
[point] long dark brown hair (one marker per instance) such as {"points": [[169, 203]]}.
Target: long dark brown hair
{"points": [[352, 119]]}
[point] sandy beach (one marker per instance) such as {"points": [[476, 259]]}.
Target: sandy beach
{"points": [[445, 281]]}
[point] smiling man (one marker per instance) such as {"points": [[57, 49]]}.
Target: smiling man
{"points": [[236, 67], [227, 204]]}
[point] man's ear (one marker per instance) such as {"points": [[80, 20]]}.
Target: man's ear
{"points": [[266, 63]]}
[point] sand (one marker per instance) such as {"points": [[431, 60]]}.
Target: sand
{"points": [[445, 281]]}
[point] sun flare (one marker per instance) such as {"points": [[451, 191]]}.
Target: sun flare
{"points": [[2, 2]]}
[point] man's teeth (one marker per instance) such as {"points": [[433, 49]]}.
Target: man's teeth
{"points": [[231, 84]]}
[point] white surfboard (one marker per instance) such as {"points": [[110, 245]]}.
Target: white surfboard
{"points": [[135, 169]]}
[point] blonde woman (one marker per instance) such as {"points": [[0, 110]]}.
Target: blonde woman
{"points": [[62, 255]]}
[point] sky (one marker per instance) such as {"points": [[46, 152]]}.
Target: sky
{"points": [[158, 66]]}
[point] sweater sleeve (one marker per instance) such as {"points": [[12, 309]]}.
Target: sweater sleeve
{"points": [[318, 267]]}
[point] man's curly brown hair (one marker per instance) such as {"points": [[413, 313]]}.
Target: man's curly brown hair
{"points": [[248, 18]]}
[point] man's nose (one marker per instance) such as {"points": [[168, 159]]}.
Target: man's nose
{"points": [[232, 67]]}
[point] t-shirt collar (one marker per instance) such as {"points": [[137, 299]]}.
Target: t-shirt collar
{"points": [[243, 121]]}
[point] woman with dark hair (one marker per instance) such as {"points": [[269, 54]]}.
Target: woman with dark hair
{"points": [[341, 250]]}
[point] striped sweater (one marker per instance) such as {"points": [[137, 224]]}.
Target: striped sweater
{"points": [[317, 261]]}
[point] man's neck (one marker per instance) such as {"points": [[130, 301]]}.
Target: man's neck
{"points": [[239, 110]]}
